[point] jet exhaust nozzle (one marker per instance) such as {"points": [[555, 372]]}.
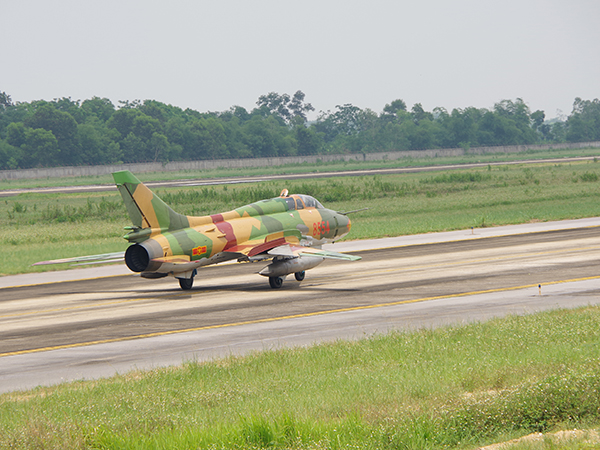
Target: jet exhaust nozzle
{"points": [[293, 265], [138, 257]]}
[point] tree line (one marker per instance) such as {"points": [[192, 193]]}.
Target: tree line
{"points": [[65, 132]]}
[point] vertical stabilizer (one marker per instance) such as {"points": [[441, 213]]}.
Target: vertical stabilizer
{"points": [[146, 209]]}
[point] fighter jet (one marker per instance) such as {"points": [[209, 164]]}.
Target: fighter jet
{"points": [[287, 230]]}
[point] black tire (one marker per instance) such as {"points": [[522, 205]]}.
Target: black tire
{"points": [[186, 283], [275, 282], [300, 275]]}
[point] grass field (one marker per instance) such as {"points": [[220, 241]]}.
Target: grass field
{"points": [[320, 166], [454, 387], [36, 227]]}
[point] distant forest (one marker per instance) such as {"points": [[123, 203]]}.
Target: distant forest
{"points": [[66, 132]]}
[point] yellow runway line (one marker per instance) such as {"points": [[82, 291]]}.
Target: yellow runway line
{"points": [[295, 316]]}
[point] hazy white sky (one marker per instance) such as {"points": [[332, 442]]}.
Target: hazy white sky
{"points": [[210, 55]]}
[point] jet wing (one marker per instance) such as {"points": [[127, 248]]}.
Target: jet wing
{"points": [[83, 260], [258, 246]]}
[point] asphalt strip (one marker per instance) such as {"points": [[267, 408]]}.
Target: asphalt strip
{"points": [[103, 359]]}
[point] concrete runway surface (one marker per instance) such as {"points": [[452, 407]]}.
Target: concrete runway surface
{"points": [[97, 322]]}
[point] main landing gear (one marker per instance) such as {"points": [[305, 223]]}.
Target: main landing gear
{"points": [[186, 283], [277, 282]]}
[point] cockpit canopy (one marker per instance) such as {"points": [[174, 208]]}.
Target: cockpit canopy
{"points": [[300, 201]]}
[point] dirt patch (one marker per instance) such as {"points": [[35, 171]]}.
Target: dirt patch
{"points": [[587, 436]]}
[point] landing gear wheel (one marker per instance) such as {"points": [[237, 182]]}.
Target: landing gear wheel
{"points": [[186, 283], [275, 282], [300, 275]]}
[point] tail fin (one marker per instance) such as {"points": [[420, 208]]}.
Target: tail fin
{"points": [[146, 209]]}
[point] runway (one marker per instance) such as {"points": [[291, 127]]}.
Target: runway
{"points": [[54, 332]]}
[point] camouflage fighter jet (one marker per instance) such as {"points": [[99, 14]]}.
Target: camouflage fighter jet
{"points": [[288, 230]]}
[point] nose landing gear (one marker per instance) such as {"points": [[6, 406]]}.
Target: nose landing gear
{"points": [[276, 282]]}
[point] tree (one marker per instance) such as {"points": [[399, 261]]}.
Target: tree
{"points": [[418, 113], [516, 114], [64, 129], [13, 113], [496, 129], [461, 127], [10, 156], [240, 113], [145, 126], [233, 128], [394, 107], [537, 119], [205, 139], [584, 122], [159, 110], [159, 145], [102, 108], [122, 120], [134, 149], [265, 137], [5, 101], [40, 148], [346, 120], [15, 134], [308, 140], [289, 109], [391, 111], [298, 108], [68, 132], [95, 145], [393, 137], [73, 108], [558, 131]]}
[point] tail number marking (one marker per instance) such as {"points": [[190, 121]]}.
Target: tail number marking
{"points": [[320, 228]]}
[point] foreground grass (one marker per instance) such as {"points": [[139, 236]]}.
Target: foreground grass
{"points": [[36, 227], [454, 387]]}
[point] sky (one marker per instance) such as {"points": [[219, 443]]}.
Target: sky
{"points": [[212, 55]]}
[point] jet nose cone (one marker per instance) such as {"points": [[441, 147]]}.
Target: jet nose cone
{"points": [[344, 225]]}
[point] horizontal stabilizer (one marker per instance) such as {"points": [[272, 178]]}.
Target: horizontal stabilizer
{"points": [[82, 260]]}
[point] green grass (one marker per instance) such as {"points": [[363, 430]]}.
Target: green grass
{"points": [[453, 387], [320, 166], [456, 387], [36, 227]]}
